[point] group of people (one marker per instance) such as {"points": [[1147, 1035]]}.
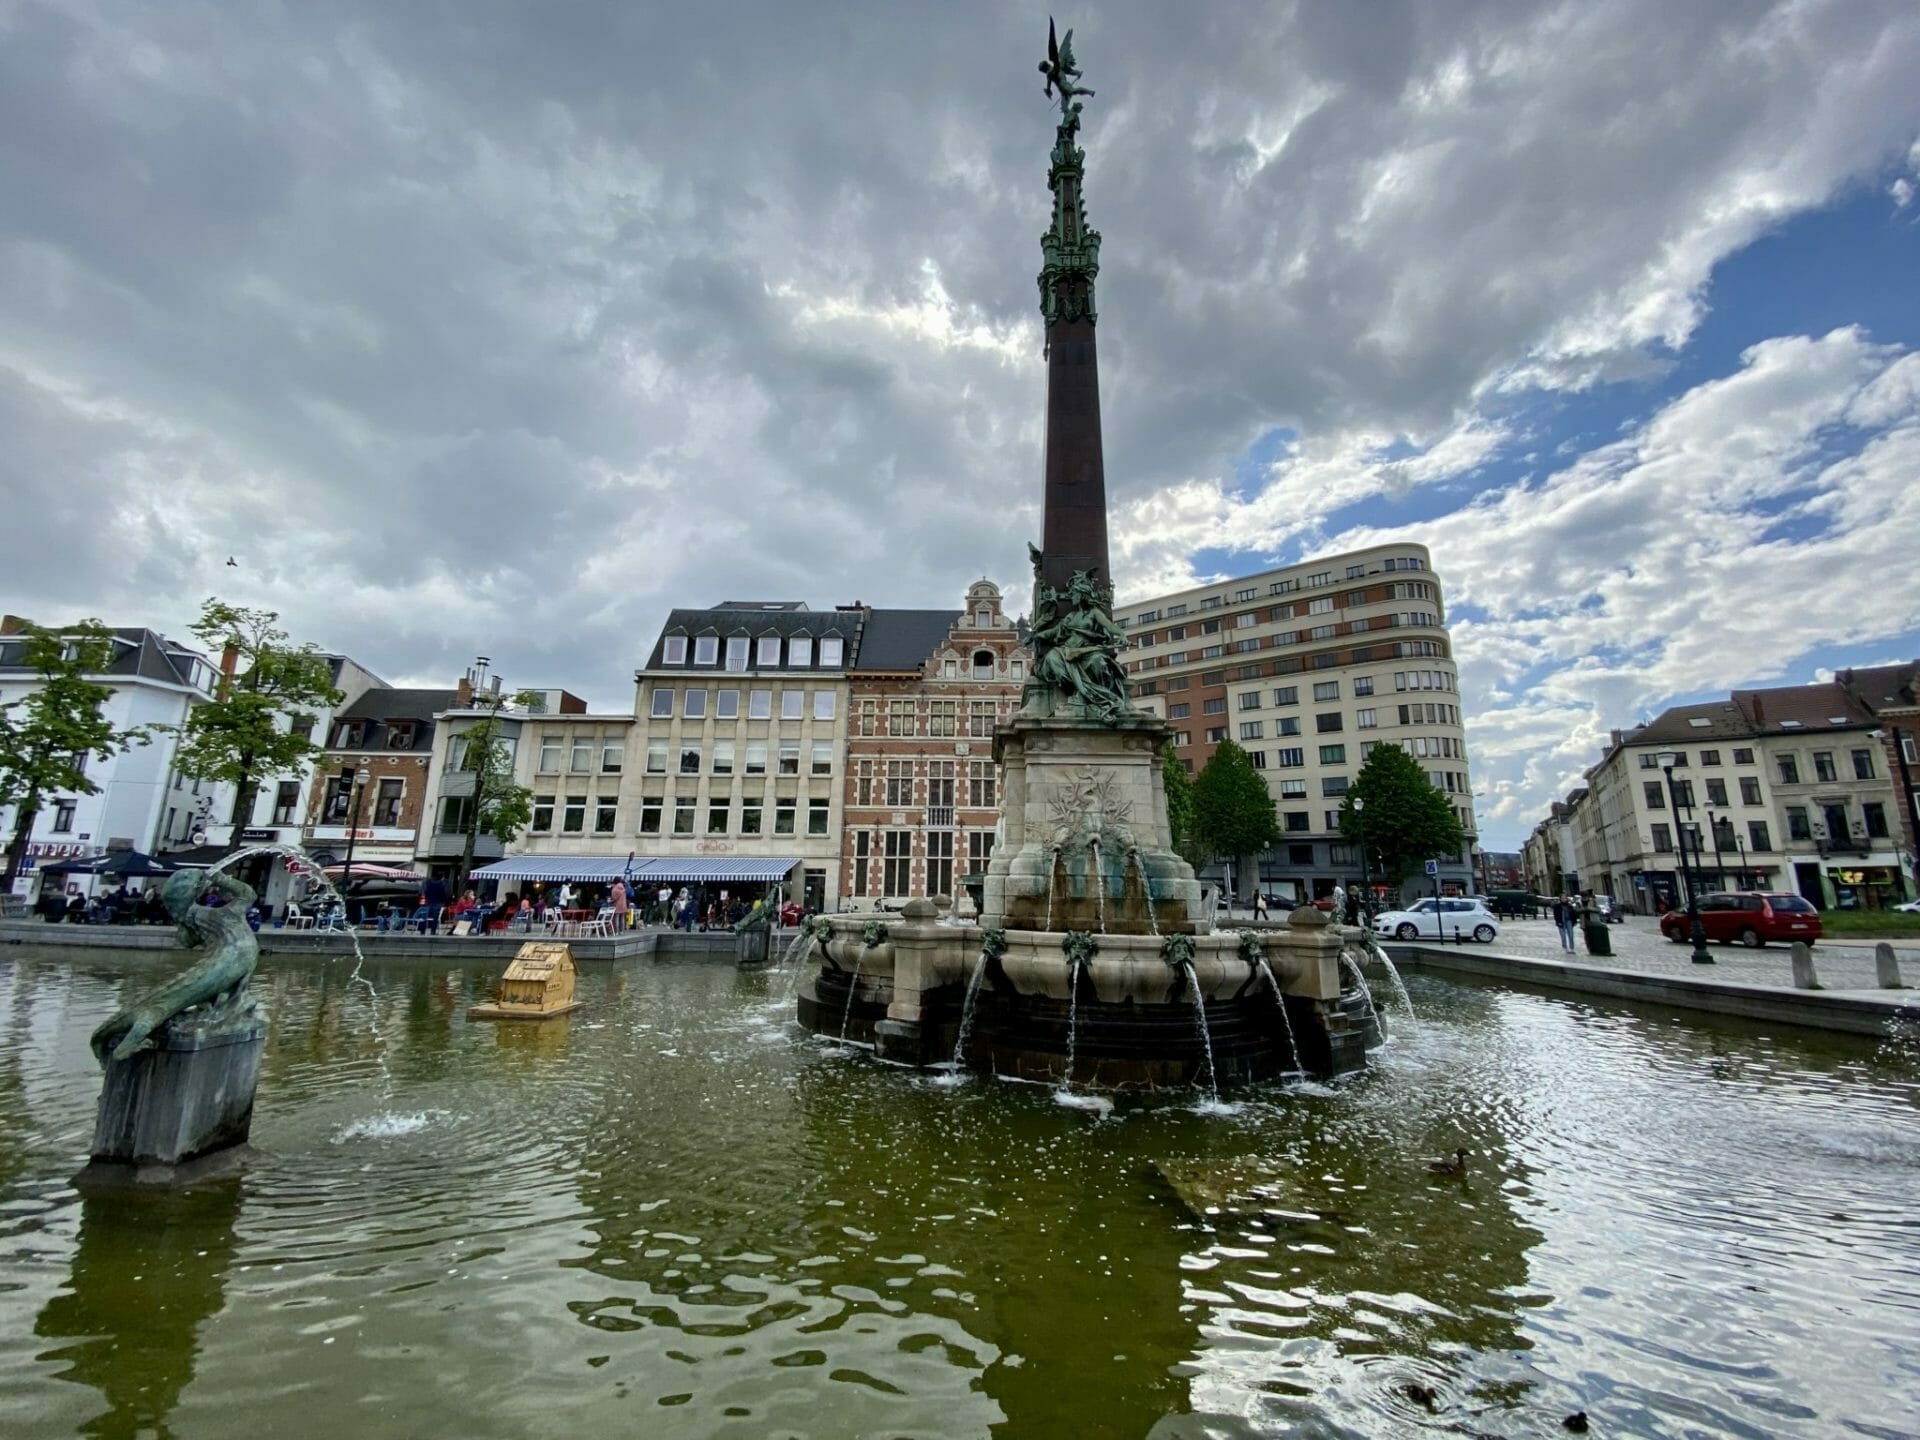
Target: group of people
{"points": [[123, 906]]}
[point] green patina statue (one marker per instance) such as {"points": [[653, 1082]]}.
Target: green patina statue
{"points": [[760, 917], [1076, 647], [217, 982]]}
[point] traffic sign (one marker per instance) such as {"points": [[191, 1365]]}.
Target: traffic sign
{"points": [[1433, 867]]}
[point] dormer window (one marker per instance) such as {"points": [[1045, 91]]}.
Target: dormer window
{"points": [[736, 652], [800, 650], [706, 649], [983, 617], [983, 664], [400, 735], [673, 650], [832, 650], [769, 652], [349, 734]]}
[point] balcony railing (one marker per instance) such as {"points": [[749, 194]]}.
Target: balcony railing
{"points": [[939, 817]]}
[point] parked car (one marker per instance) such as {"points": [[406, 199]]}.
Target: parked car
{"points": [[1749, 917], [1439, 919], [1911, 907]]}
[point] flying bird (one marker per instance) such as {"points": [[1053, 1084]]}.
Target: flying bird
{"points": [[233, 562]]}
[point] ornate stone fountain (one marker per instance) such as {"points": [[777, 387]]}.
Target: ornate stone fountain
{"points": [[1093, 962]]}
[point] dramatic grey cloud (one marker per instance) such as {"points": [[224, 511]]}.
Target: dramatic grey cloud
{"points": [[485, 327]]}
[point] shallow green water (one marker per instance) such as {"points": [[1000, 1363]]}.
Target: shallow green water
{"points": [[674, 1215]]}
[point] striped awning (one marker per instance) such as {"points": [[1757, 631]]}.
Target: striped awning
{"points": [[690, 871], [596, 869], [641, 869]]}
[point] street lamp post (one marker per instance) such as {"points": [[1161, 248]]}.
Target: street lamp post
{"points": [[1668, 759], [1743, 859], [1366, 883], [360, 779], [1719, 859]]}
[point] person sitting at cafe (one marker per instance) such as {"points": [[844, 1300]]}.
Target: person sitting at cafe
{"points": [[76, 906]]}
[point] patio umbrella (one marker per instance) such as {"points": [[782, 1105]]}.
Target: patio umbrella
{"points": [[367, 870], [124, 863]]}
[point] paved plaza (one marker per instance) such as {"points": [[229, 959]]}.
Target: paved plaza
{"points": [[1638, 945]]}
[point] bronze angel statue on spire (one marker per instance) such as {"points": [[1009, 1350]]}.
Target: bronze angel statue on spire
{"points": [[1061, 72]]}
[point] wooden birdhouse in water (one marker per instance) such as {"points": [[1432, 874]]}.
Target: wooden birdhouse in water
{"points": [[538, 984]]}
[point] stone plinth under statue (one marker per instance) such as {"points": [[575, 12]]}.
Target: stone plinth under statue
{"points": [[185, 1096], [1086, 843], [182, 1062]]}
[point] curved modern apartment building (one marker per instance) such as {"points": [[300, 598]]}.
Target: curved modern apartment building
{"points": [[1307, 668]]}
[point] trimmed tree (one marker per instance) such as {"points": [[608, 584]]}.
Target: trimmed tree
{"points": [[46, 738], [498, 807], [1232, 807], [1178, 785], [1405, 820], [250, 731]]}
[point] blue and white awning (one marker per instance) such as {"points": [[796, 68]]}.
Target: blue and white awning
{"points": [[640, 869], [690, 871], [593, 869]]}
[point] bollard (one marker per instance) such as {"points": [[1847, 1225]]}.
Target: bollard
{"points": [[1803, 976], [1886, 968]]}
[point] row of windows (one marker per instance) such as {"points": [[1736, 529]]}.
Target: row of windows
{"points": [[1281, 639], [1316, 581], [765, 651], [902, 718], [1656, 794], [1247, 619], [883, 861], [891, 783], [752, 757], [726, 704], [1826, 770], [676, 815], [578, 751]]}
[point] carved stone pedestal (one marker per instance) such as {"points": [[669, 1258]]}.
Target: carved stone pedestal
{"points": [[172, 1106], [1086, 845]]}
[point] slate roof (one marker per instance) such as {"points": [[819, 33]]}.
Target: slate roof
{"points": [[776, 617], [1674, 725], [1884, 687], [1825, 706], [903, 639], [385, 704], [138, 653]]}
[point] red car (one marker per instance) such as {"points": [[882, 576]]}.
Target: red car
{"points": [[1748, 917]]}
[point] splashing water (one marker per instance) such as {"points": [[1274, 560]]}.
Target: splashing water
{"points": [[853, 988], [1393, 974], [1206, 1039], [794, 961], [385, 1126], [1146, 889], [1098, 881], [1360, 979], [966, 1010], [357, 977], [1073, 1017], [1293, 1047], [1052, 865]]}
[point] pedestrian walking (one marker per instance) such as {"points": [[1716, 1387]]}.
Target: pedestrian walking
{"points": [[619, 897], [1563, 918], [1259, 904]]}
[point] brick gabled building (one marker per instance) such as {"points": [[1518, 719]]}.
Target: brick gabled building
{"points": [[922, 794]]}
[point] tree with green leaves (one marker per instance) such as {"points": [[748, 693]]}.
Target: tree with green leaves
{"points": [[1405, 820], [1178, 785], [1233, 809], [251, 729], [497, 807], [45, 739]]}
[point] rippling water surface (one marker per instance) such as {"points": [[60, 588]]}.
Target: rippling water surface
{"points": [[672, 1214]]}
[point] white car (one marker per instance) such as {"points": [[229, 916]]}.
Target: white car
{"points": [[1441, 919]]}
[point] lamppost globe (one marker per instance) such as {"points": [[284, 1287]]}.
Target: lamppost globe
{"points": [[362, 776]]}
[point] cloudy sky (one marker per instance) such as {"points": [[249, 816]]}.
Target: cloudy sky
{"points": [[471, 327]]}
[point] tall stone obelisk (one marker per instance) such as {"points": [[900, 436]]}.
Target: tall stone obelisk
{"points": [[1085, 846], [1074, 537]]}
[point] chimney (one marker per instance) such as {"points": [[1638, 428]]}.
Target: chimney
{"points": [[1759, 710], [463, 693], [13, 624]]}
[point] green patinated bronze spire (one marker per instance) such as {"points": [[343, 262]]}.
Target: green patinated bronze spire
{"points": [[1070, 249], [1076, 646]]}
